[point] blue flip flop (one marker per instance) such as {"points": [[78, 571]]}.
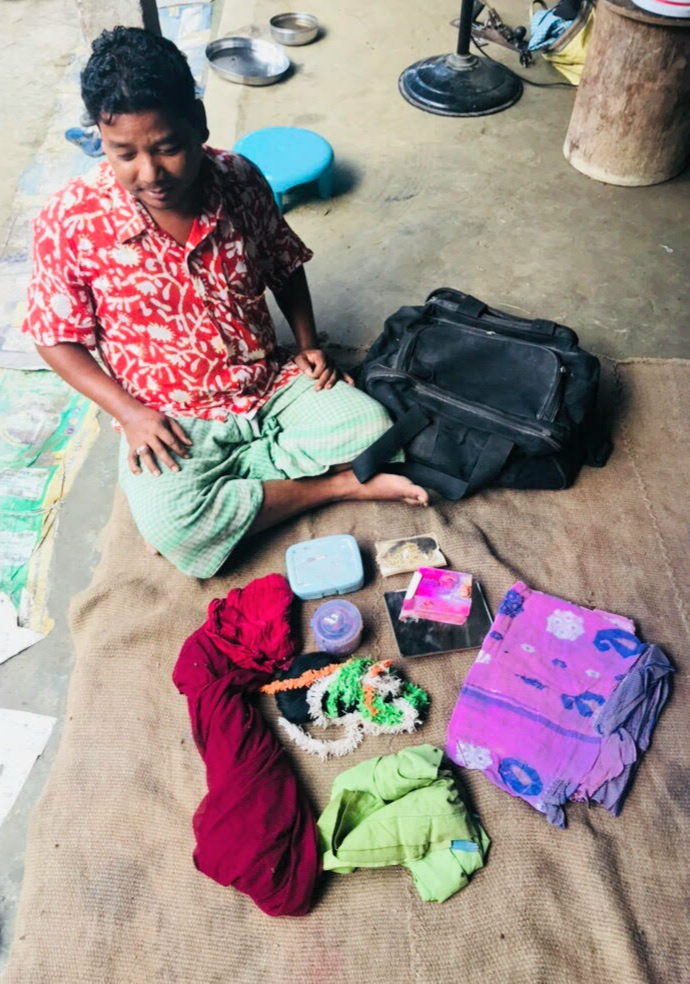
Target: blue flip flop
{"points": [[87, 140]]}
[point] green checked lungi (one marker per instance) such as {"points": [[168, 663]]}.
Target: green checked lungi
{"points": [[195, 517]]}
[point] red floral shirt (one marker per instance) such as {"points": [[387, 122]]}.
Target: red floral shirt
{"points": [[184, 329]]}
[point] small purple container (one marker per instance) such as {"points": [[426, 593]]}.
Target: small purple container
{"points": [[337, 627]]}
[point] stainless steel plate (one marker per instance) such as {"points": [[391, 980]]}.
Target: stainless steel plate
{"points": [[294, 28], [247, 60]]}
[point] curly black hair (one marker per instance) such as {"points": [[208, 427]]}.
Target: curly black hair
{"points": [[132, 70]]}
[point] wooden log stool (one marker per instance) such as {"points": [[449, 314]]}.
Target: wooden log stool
{"points": [[631, 119]]}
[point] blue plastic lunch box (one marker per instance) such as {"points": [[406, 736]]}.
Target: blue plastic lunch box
{"points": [[326, 566]]}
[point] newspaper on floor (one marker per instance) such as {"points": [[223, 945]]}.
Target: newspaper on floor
{"points": [[46, 431]]}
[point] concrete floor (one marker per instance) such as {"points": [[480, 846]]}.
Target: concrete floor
{"points": [[488, 205]]}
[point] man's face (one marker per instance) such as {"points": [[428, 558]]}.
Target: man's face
{"points": [[155, 156]]}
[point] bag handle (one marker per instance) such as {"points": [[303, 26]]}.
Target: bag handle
{"points": [[473, 308], [373, 458], [468, 305], [543, 327], [487, 467]]}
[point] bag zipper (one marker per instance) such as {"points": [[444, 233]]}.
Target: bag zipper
{"points": [[407, 350], [552, 402], [477, 409]]}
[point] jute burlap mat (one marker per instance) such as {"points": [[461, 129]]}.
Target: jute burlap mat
{"points": [[110, 893]]}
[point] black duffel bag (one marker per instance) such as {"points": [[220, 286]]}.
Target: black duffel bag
{"points": [[479, 397]]}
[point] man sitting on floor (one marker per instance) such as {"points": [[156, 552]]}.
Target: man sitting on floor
{"points": [[160, 260]]}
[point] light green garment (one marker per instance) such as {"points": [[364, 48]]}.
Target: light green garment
{"points": [[196, 517], [403, 809]]}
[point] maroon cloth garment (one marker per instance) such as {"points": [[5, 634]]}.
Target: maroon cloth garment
{"points": [[254, 829]]}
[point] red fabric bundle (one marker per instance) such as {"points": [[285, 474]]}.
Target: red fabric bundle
{"points": [[254, 829]]}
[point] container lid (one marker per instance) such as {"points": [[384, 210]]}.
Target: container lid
{"points": [[336, 623], [327, 565]]}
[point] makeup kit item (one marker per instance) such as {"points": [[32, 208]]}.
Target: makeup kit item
{"points": [[420, 637], [408, 554], [441, 611], [337, 627], [326, 566], [438, 596]]}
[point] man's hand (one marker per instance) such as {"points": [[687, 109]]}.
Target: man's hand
{"points": [[295, 303], [316, 364], [151, 437]]}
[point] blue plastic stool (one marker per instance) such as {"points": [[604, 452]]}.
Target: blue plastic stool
{"points": [[288, 156]]}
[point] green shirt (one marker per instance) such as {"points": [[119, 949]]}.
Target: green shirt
{"points": [[403, 809]]}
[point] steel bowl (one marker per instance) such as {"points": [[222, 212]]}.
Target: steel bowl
{"points": [[249, 61], [294, 28]]}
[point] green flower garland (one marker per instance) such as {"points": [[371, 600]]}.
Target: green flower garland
{"points": [[347, 690]]}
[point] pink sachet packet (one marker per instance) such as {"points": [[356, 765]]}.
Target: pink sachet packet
{"points": [[438, 596]]}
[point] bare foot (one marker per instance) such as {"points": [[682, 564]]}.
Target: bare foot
{"points": [[285, 497], [392, 487], [151, 550]]}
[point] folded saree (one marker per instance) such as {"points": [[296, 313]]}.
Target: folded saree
{"points": [[559, 704]]}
